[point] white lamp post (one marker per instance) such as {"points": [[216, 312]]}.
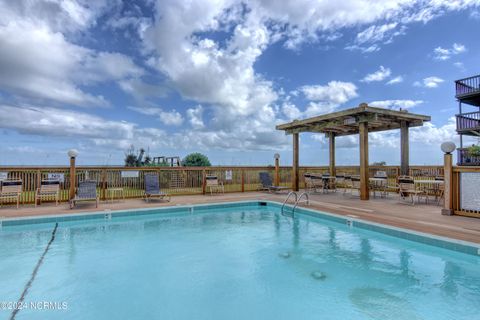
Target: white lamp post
{"points": [[72, 153], [276, 156], [448, 147]]}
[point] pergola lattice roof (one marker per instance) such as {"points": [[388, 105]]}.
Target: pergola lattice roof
{"points": [[346, 122]]}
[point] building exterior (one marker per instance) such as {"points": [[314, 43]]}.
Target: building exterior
{"points": [[467, 92]]}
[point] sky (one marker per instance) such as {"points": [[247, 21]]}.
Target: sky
{"points": [[216, 76]]}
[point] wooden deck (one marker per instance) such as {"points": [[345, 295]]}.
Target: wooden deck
{"points": [[390, 211]]}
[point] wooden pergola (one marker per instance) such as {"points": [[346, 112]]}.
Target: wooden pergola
{"points": [[360, 120]]}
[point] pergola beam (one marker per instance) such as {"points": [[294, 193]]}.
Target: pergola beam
{"points": [[404, 148], [295, 173], [331, 149]]}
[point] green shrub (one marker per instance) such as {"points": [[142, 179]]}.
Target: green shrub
{"points": [[474, 151], [196, 160]]}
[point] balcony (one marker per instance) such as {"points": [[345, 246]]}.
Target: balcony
{"points": [[468, 123], [468, 90], [464, 159]]}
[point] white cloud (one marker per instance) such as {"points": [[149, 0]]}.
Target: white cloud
{"points": [[445, 54], [395, 80], [429, 82], [169, 118], [369, 40], [195, 117], [379, 75], [238, 104], [396, 104], [59, 16], [41, 63], [318, 108], [375, 33], [291, 111], [62, 123], [431, 134], [335, 92]]}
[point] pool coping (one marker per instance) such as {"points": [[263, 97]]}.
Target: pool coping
{"points": [[354, 222]]}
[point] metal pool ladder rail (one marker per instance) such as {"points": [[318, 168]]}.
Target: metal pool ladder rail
{"points": [[298, 201], [288, 197]]}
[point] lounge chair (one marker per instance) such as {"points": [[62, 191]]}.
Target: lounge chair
{"points": [[212, 183], [152, 188], [48, 189], [86, 191], [11, 190], [267, 184]]}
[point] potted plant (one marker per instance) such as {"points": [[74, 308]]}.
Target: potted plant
{"points": [[473, 151]]}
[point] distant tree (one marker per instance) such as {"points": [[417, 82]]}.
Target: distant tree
{"points": [[130, 157], [379, 163], [196, 160], [148, 160], [134, 158]]}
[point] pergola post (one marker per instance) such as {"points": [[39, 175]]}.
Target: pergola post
{"points": [[295, 176], [363, 130], [331, 145], [404, 149]]}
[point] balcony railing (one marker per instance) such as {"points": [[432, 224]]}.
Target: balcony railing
{"points": [[467, 86], [469, 121], [465, 159]]}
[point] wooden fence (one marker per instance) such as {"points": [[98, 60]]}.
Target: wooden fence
{"points": [[183, 180]]}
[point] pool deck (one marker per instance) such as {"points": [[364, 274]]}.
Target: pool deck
{"points": [[390, 211]]}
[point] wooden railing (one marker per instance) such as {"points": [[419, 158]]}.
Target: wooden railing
{"points": [[468, 121], [185, 180], [467, 86], [466, 194]]}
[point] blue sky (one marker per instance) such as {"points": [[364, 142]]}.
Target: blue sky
{"points": [[216, 76]]}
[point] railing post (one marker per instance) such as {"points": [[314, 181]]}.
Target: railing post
{"points": [[104, 184], [38, 184], [448, 185], [72, 177], [204, 178], [277, 169], [242, 172]]}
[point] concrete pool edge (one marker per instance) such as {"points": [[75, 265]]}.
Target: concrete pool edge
{"points": [[354, 222]]}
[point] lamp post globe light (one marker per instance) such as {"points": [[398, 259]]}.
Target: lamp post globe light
{"points": [[448, 147], [72, 153]]}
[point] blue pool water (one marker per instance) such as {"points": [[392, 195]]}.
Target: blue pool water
{"points": [[244, 262]]}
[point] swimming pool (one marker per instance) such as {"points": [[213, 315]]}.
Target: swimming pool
{"points": [[231, 261]]}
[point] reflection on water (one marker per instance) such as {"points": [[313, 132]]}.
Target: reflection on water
{"points": [[380, 305]]}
